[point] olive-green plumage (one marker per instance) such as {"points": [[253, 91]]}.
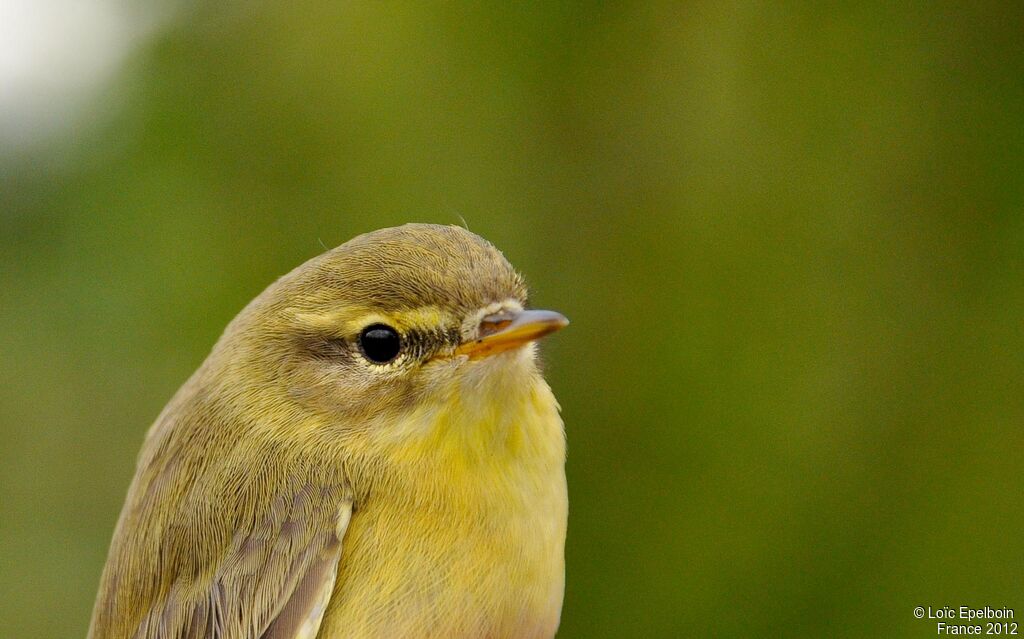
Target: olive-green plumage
{"points": [[368, 451]]}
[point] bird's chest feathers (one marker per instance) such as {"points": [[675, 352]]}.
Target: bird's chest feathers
{"points": [[468, 536]]}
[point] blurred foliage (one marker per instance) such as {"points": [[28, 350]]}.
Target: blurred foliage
{"points": [[790, 240]]}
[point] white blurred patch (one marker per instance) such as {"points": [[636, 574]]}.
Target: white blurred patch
{"points": [[57, 57]]}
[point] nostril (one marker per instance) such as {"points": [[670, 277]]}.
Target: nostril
{"points": [[494, 322]]}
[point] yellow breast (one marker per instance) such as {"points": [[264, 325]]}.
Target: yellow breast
{"points": [[463, 535]]}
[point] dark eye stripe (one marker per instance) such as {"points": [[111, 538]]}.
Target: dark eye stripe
{"points": [[321, 347], [422, 344]]}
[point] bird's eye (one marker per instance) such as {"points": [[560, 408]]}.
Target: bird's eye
{"points": [[380, 343]]}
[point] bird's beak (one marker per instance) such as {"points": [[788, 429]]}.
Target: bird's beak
{"points": [[511, 329]]}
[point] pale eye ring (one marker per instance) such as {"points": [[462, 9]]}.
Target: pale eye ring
{"points": [[380, 343]]}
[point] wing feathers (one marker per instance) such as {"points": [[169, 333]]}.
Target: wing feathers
{"points": [[301, 615], [273, 582]]}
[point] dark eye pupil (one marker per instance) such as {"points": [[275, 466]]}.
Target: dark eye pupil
{"points": [[380, 343]]}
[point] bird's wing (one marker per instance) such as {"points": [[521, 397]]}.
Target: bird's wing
{"points": [[272, 579]]}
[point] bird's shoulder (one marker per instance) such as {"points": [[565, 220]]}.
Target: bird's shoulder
{"points": [[233, 539]]}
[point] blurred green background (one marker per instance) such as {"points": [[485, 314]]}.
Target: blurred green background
{"points": [[790, 240]]}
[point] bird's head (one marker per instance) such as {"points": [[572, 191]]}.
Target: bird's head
{"points": [[415, 320]]}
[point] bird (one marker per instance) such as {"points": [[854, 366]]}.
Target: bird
{"points": [[369, 450]]}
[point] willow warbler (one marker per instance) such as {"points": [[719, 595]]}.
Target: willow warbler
{"points": [[368, 451]]}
